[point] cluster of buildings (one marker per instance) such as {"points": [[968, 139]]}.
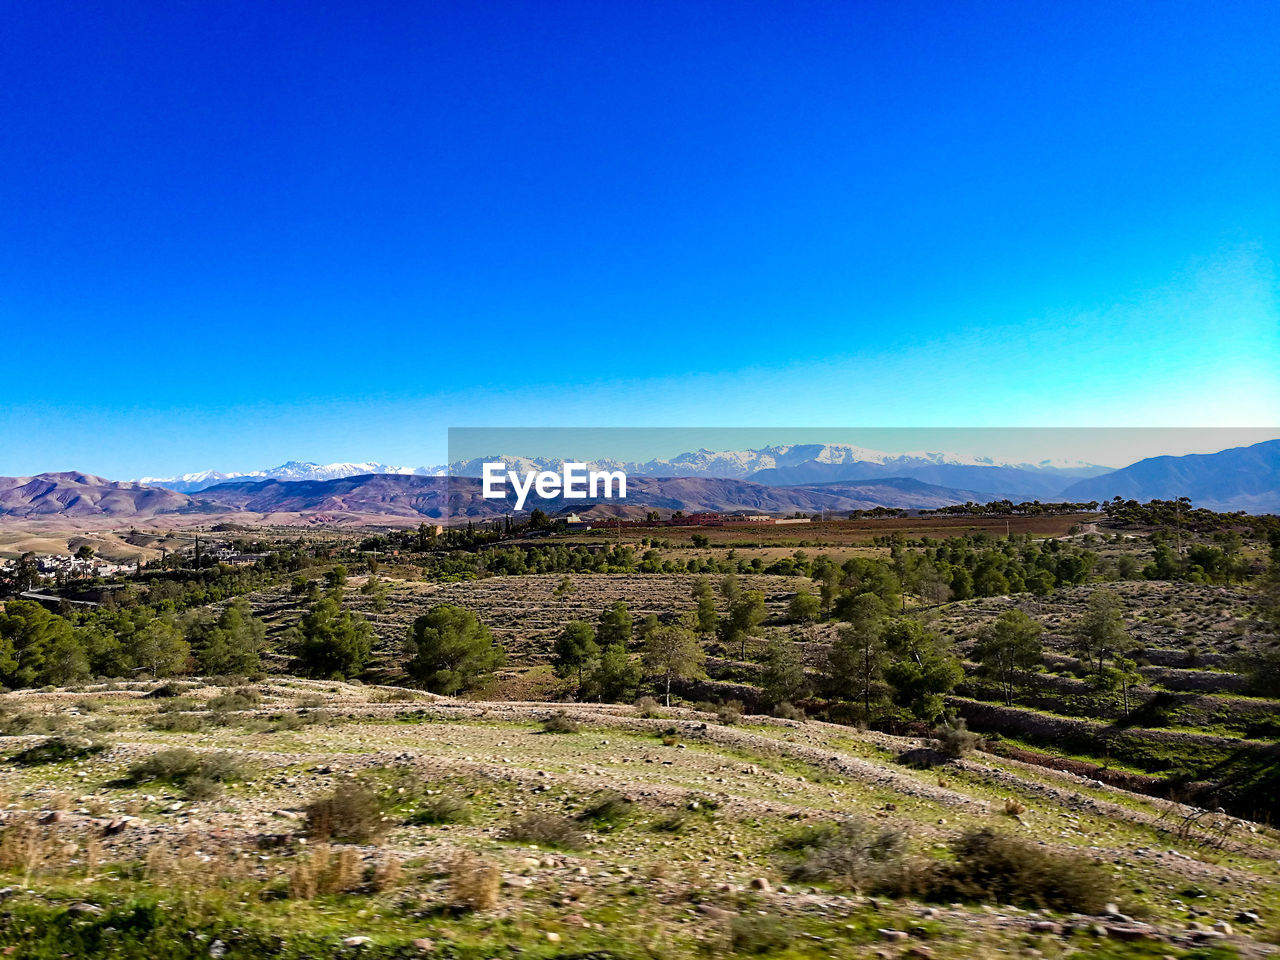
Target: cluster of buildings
{"points": [[77, 568], [689, 520]]}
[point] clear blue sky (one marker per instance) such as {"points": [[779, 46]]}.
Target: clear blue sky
{"points": [[237, 233]]}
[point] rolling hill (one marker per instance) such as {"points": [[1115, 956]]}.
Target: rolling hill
{"points": [[73, 494]]}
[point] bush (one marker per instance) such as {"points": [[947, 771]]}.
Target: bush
{"points": [[199, 787], [473, 884], [546, 831], [1001, 869], [242, 698], [441, 808], [956, 740], [648, 707], [201, 777], [170, 689], [179, 722], [729, 713], [560, 722], [322, 871], [608, 808], [756, 934], [56, 750], [676, 822], [17, 723], [352, 812], [789, 711], [851, 854]]}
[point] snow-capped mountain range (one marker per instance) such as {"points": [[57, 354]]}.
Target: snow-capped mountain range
{"points": [[292, 470], [781, 465]]}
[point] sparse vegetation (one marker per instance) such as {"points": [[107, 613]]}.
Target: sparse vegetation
{"points": [[353, 812]]}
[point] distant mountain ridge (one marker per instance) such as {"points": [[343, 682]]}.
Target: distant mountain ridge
{"points": [[74, 494], [291, 470], [411, 498], [785, 464], [1242, 478]]}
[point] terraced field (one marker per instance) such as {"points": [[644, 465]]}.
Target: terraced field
{"points": [[689, 861]]}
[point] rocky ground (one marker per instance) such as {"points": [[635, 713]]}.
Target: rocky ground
{"points": [[691, 867]]}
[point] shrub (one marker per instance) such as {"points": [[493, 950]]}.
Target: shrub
{"points": [[473, 884], [199, 787], [56, 750], [178, 705], [850, 854], [608, 808], [170, 689], [648, 707], [546, 830], [442, 808], [170, 765], [729, 713], [560, 722], [676, 822], [387, 874], [322, 871], [178, 722], [16, 723], [242, 698], [353, 812], [789, 711], [1000, 869], [748, 933], [956, 740], [201, 777]]}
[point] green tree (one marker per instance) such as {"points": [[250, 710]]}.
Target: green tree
{"points": [[672, 652], [783, 677], [859, 657], [28, 634], [743, 620], [930, 585], [376, 589], [450, 650], [574, 650], [160, 648], [616, 676], [804, 607], [1009, 649], [1101, 629], [1127, 677], [331, 641], [729, 588], [614, 628], [232, 644], [705, 615], [337, 577], [923, 670]]}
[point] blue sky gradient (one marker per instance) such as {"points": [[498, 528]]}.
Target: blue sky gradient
{"points": [[239, 233]]}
